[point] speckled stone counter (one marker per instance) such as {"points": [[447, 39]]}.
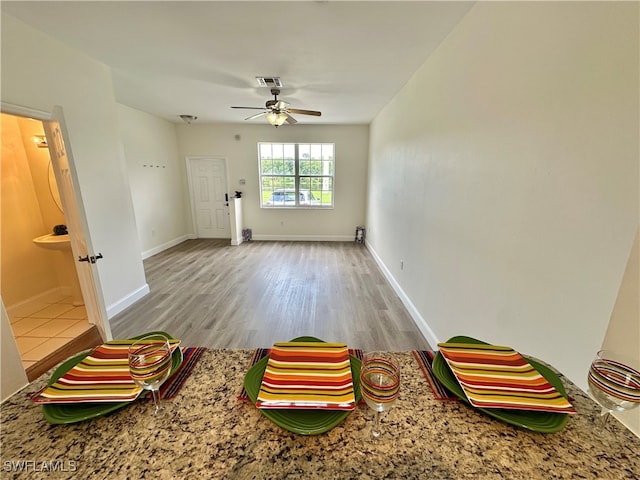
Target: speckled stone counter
{"points": [[208, 433]]}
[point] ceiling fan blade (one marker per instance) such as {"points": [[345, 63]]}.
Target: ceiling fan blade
{"points": [[290, 119], [251, 108], [255, 116], [305, 112]]}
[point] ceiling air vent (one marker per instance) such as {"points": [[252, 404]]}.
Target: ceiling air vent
{"points": [[269, 82]]}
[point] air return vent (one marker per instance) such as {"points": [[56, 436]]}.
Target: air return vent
{"points": [[269, 82]]}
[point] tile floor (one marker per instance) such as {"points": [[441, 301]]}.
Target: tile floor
{"points": [[40, 328]]}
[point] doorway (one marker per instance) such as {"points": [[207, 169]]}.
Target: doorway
{"points": [[209, 200], [39, 281]]}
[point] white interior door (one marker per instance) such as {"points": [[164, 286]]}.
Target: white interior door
{"points": [[208, 193], [66, 179]]}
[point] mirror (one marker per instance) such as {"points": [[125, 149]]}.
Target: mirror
{"points": [[53, 188]]}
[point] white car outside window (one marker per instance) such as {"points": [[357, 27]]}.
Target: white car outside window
{"points": [[288, 198]]}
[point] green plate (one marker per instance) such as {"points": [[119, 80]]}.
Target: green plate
{"points": [[62, 413], [545, 422], [304, 422]]}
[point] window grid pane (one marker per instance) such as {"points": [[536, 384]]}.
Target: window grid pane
{"points": [[296, 175]]}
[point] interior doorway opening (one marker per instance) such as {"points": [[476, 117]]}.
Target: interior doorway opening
{"points": [[38, 281]]}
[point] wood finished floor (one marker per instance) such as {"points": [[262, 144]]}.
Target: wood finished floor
{"points": [[211, 294]]}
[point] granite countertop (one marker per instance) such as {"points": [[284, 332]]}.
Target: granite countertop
{"points": [[209, 433]]}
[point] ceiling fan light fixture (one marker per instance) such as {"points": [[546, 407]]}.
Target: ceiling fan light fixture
{"points": [[277, 111], [276, 119]]}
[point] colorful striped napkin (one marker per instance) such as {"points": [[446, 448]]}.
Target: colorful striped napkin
{"points": [[259, 353], [102, 376], [493, 376], [307, 375]]}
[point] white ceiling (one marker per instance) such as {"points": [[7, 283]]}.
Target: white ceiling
{"points": [[344, 58]]}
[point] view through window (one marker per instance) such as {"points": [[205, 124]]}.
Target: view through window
{"points": [[296, 175]]}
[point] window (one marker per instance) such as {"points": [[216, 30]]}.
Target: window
{"points": [[296, 175]]}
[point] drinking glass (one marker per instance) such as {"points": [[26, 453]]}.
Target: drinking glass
{"points": [[379, 384], [614, 382], [150, 364]]}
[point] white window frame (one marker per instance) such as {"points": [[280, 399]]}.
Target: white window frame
{"points": [[294, 190]]}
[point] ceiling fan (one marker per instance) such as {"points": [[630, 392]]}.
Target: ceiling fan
{"points": [[277, 111]]}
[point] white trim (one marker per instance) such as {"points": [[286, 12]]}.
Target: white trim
{"points": [[127, 301], [161, 248], [21, 111], [303, 238], [60, 149], [420, 322], [42, 297]]}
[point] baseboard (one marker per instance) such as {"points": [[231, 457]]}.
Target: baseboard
{"points": [[303, 238], [419, 320], [40, 297], [283, 238], [125, 302], [161, 248], [133, 297]]}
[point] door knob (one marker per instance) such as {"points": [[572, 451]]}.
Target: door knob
{"points": [[90, 259]]}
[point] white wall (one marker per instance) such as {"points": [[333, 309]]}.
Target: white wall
{"points": [[12, 374], [156, 173], [39, 72], [26, 269], [505, 175], [242, 163]]}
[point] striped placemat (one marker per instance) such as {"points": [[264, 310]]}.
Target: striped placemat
{"points": [[170, 388], [259, 353], [425, 360]]}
